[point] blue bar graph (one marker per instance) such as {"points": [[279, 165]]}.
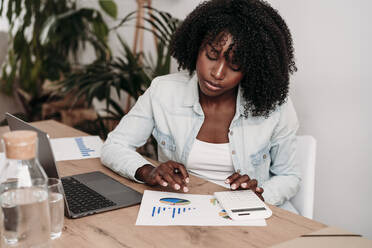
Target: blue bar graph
{"points": [[172, 212], [82, 147]]}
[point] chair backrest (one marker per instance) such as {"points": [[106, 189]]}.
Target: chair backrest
{"points": [[303, 201]]}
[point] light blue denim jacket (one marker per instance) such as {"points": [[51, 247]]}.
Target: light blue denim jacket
{"points": [[262, 148]]}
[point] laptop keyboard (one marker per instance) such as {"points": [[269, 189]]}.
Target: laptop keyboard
{"points": [[81, 198]]}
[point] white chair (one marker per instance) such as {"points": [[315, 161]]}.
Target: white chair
{"points": [[303, 201]]}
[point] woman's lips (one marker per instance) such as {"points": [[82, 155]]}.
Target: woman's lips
{"points": [[211, 86]]}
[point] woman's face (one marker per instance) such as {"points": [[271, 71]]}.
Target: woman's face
{"points": [[217, 75]]}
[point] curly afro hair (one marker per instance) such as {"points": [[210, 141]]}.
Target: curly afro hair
{"points": [[262, 47]]}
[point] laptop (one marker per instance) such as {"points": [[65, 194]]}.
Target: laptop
{"points": [[87, 193]]}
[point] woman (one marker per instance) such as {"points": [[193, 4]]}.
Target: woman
{"points": [[229, 119]]}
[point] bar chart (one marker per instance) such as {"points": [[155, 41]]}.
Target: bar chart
{"points": [[82, 147], [171, 212]]}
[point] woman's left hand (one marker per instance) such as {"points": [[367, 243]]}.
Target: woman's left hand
{"points": [[238, 181]]}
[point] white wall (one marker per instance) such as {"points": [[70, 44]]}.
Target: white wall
{"points": [[332, 95]]}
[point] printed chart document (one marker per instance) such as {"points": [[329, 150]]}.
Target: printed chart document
{"points": [[76, 147], [169, 209]]}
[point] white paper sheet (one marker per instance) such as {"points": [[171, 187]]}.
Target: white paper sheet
{"points": [[168, 209], [76, 148]]}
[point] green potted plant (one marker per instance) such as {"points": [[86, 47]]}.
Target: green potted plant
{"points": [[41, 46], [132, 72]]}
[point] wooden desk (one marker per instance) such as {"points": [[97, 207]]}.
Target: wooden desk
{"points": [[117, 228]]}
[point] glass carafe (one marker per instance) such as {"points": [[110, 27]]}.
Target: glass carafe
{"points": [[24, 193]]}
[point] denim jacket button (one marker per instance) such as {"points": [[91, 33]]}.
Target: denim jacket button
{"points": [[264, 156], [163, 142]]}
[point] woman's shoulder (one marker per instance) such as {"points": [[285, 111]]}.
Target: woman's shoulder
{"points": [[173, 80], [286, 114], [283, 114], [170, 86], [171, 92], [287, 108]]}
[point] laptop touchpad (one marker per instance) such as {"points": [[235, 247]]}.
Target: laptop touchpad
{"points": [[108, 186]]}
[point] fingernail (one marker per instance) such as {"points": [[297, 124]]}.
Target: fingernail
{"points": [[244, 185], [233, 186], [177, 187], [227, 181], [187, 180], [185, 189], [165, 184], [258, 189]]}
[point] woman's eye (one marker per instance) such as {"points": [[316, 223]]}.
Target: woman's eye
{"points": [[235, 67], [211, 56], [211, 53]]}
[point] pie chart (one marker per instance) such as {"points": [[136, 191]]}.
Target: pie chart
{"points": [[174, 201]]}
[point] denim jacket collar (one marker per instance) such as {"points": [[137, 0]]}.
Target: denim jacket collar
{"points": [[192, 94]]}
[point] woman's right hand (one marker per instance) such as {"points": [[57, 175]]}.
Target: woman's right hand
{"points": [[168, 173]]}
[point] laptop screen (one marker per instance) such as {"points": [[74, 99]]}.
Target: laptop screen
{"points": [[45, 153]]}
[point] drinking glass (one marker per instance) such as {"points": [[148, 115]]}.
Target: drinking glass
{"points": [[56, 206]]}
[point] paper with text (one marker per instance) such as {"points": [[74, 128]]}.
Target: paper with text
{"points": [[168, 209]]}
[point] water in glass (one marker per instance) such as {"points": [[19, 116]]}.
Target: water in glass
{"points": [[26, 217], [56, 206]]}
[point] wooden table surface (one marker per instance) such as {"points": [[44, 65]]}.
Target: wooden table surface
{"points": [[117, 228]]}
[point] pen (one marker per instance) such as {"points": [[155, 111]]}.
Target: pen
{"points": [[331, 235], [177, 171]]}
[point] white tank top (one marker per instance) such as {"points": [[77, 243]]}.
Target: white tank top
{"points": [[211, 161]]}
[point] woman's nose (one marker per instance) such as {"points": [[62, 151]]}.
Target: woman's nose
{"points": [[218, 70]]}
